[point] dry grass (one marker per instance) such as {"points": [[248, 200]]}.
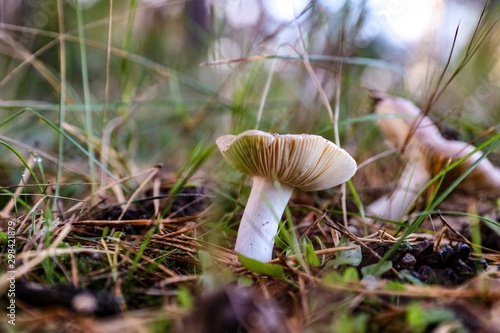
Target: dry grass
{"points": [[114, 187]]}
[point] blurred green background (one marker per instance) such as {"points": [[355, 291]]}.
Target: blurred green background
{"points": [[151, 98]]}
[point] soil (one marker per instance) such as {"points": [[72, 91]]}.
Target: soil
{"points": [[448, 265]]}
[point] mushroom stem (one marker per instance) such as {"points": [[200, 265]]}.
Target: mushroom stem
{"points": [[413, 179], [261, 217]]}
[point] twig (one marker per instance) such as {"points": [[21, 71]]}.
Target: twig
{"points": [[440, 238], [343, 230], [314, 224]]}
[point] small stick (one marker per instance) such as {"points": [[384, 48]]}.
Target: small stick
{"points": [[355, 239], [441, 236], [314, 224]]}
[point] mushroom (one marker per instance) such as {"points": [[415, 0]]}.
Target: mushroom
{"points": [[427, 153], [278, 164]]}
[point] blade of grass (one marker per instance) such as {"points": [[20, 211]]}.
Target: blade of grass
{"points": [[477, 38], [127, 42], [8, 120], [104, 120], [265, 93], [86, 97], [259, 267], [295, 242], [492, 222], [475, 234], [359, 204], [359, 61], [62, 99], [25, 163]]}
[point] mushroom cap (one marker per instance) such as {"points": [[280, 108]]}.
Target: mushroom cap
{"points": [[403, 119], [304, 161]]}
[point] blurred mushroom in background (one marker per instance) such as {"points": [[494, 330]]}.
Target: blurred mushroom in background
{"points": [[426, 154]]}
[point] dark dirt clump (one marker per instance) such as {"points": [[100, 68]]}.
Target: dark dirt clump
{"points": [[78, 300], [449, 265]]}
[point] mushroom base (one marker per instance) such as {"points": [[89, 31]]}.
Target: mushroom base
{"points": [[260, 220]]}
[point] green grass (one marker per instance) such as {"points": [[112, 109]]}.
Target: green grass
{"points": [[86, 123]]}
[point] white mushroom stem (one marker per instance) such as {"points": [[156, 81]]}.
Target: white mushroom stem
{"points": [[261, 217], [413, 179]]}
